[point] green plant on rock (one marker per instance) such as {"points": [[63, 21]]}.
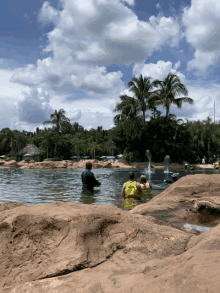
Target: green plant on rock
{"points": [[27, 160]]}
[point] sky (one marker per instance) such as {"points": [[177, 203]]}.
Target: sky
{"points": [[79, 55]]}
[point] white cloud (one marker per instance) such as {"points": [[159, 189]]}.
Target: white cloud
{"points": [[177, 65], [202, 31], [33, 106], [48, 13], [158, 70], [87, 38], [158, 6]]}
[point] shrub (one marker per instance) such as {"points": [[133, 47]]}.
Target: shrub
{"points": [[28, 159], [128, 156]]}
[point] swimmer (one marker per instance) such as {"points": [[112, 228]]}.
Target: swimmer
{"points": [[146, 186]]}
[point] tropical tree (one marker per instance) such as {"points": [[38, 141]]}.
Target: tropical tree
{"points": [[128, 108], [79, 145], [167, 91], [57, 119], [94, 146], [142, 89]]}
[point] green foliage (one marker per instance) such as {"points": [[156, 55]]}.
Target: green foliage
{"points": [[128, 156], [28, 159]]}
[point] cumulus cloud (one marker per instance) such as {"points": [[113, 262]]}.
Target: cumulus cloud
{"points": [[202, 31], [48, 13], [158, 70], [33, 106], [88, 37]]}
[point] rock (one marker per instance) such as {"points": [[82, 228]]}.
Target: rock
{"points": [[21, 163], [186, 199], [65, 247], [11, 163]]}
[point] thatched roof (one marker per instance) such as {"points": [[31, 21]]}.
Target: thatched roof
{"points": [[29, 149]]}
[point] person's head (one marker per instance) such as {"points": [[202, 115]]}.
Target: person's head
{"points": [[88, 165], [143, 179], [131, 175]]}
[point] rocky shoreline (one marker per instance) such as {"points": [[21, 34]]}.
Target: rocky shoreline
{"points": [[69, 164], [82, 248]]}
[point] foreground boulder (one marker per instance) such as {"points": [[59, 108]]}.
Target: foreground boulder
{"points": [[89, 248], [193, 199], [51, 241]]}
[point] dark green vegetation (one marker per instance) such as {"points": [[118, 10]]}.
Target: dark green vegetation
{"points": [[132, 135]]}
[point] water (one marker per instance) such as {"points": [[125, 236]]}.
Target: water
{"points": [[33, 187], [197, 228]]}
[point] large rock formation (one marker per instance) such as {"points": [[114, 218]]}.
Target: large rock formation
{"points": [[89, 248]]}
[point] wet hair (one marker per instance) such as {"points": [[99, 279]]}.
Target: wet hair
{"points": [[88, 165], [131, 175], [143, 179]]}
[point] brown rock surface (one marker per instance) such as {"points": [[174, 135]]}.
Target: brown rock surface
{"points": [[10, 163], [194, 199]]}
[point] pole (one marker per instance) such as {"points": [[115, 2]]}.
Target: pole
{"points": [[47, 152], [214, 111]]}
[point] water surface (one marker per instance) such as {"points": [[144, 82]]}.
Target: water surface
{"points": [[32, 187]]}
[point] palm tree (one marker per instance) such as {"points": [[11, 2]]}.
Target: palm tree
{"points": [[94, 146], [79, 146], [128, 108], [57, 119], [141, 88], [168, 89]]}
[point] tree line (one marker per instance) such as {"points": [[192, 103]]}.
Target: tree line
{"points": [[134, 130]]}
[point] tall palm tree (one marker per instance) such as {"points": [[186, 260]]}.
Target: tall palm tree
{"points": [[128, 108], [57, 119], [142, 90], [169, 88], [94, 146]]}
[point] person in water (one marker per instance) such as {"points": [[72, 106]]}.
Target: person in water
{"points": [[88, 179], [146, 187], [131, 191], [174, 176]]}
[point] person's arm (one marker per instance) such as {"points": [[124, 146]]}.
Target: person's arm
{"points": [[140, 191], [123, 191], [96, 182]]}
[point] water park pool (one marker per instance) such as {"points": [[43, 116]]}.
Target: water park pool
{"points": [[33, 187]]}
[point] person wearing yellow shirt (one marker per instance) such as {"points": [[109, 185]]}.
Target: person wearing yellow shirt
{"points": [[146, 187], [131, 192]]}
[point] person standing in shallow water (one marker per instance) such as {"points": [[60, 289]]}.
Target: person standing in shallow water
{"points": [[131, 191], [146, 187], [88, 179]]}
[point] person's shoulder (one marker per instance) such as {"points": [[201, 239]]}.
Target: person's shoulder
{"points": [[138, 185]]}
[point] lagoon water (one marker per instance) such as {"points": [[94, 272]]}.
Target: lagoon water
{"points": [[33, 187]]}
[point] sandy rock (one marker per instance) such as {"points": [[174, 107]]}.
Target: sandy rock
{"points": [[10, 163], [187, 200], [21, 163], [60, 164], [100, 247]]}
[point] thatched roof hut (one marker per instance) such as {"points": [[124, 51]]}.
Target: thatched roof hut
{"points": [[29, 149]]}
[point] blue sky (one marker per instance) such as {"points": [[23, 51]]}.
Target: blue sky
{"points": [[79, 55]]}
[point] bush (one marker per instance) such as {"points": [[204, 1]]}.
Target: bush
{"points": [[128, 156], [28, 159], [12, 158], [54, 159]]}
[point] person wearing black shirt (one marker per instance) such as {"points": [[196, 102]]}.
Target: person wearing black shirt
{"points": [[88, 179]]}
